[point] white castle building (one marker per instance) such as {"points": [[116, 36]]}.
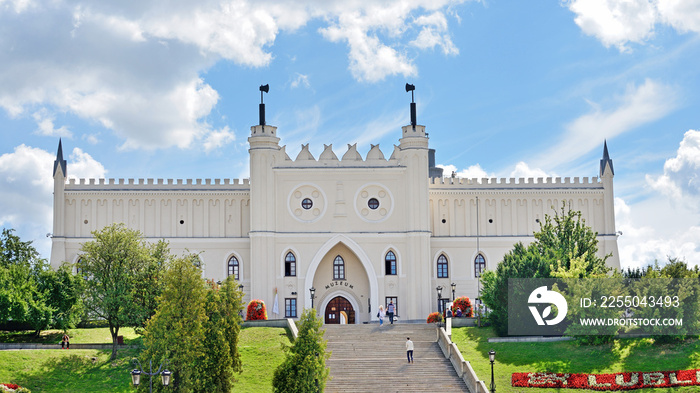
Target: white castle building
{"points": [[360, 231]]}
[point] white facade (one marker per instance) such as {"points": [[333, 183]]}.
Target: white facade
{"points": [[361, 210]]}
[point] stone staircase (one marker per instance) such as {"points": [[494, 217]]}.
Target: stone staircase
{"points": [[369, 358]]}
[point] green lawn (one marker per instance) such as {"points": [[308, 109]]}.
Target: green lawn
{"points": [[261, 352], [77, 336], [67, 371], [569, 357], [64, 371]]}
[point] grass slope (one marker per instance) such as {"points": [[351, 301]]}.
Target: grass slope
{"points": [[569, 357], [77, 336], [64, 371]]}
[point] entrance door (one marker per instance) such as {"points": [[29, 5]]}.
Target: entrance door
{"points": [[335, 307]]}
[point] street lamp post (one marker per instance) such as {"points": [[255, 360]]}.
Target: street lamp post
{"points": [[439, 293], [492, 358], [318, 390], [454, 286], [136, 373], [312, 291]]}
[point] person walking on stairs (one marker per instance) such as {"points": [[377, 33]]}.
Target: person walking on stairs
{"points": [[409, 349], [390, 309], [381, 314]]}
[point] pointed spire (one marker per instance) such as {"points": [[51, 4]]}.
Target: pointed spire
{"points": [[59, 160], [606, 161], [606, 156]]}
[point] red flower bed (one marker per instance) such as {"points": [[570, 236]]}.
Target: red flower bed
{"points": [[256, 311], [435, 317], [617, 381], [465, 305], [11, 385]]}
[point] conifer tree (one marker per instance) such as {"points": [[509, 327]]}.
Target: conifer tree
{"points": [[177, 330], [304, 369]]}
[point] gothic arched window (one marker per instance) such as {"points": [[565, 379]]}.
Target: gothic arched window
{"points": [[442, 266], [339, 268], [290, 265], [390, 263], [479, 265], [233, 268]]}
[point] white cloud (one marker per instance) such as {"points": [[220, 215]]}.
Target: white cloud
{"points": [[361, 24], [666, 224], [434, 34], [472, 172], [653, 230], [370, 59], [26, 187], [217, 139], [681, 178], [46, 127], [619, 22], [300, 80], [16, 5], [91, 138], [83, 166], [639, 105], [135, 67], [523, 170], [683, 15]]}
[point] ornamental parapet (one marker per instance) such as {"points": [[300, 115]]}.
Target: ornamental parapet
{"points": [[157, 184], [513, 183]]}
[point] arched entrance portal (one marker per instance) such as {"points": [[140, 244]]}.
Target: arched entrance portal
{"points": [[340, 311]]}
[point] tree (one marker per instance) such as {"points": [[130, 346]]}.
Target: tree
{"points": [[148, 283], [62, 291], [177, 330], [230, 306], [561, 239], [216, 361], [565, 237], [115, 265], [196, 327], [304, 368], [520, 262], [16, 285], [31, 293], [662, 285]]}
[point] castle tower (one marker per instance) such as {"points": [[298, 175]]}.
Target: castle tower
{"points": [[58, 246], [607, 173], [264, 152], [414, 155]]}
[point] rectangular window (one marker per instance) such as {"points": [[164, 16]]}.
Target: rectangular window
{"points": [[290, 308], [442, 304], [394, 299]]}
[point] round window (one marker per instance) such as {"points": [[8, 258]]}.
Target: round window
{"points": [[373, 203], [307, 203]]}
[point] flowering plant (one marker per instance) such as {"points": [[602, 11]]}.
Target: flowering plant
{"points": [[256, 311], [434, 317], [464, 304], [13, 388], [602, 382]]}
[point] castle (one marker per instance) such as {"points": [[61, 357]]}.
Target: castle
{"points": [[344, 234]]}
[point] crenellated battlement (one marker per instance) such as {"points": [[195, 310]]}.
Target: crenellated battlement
{"points": [[157, 184], [519, 183]]}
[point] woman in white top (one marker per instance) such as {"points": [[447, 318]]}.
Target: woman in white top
{"points": [[381, 314]]}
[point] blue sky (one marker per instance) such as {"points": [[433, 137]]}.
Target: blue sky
{"points": [[505, 88]]}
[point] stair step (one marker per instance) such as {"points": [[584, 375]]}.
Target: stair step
{"points": [[370, 358]]}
